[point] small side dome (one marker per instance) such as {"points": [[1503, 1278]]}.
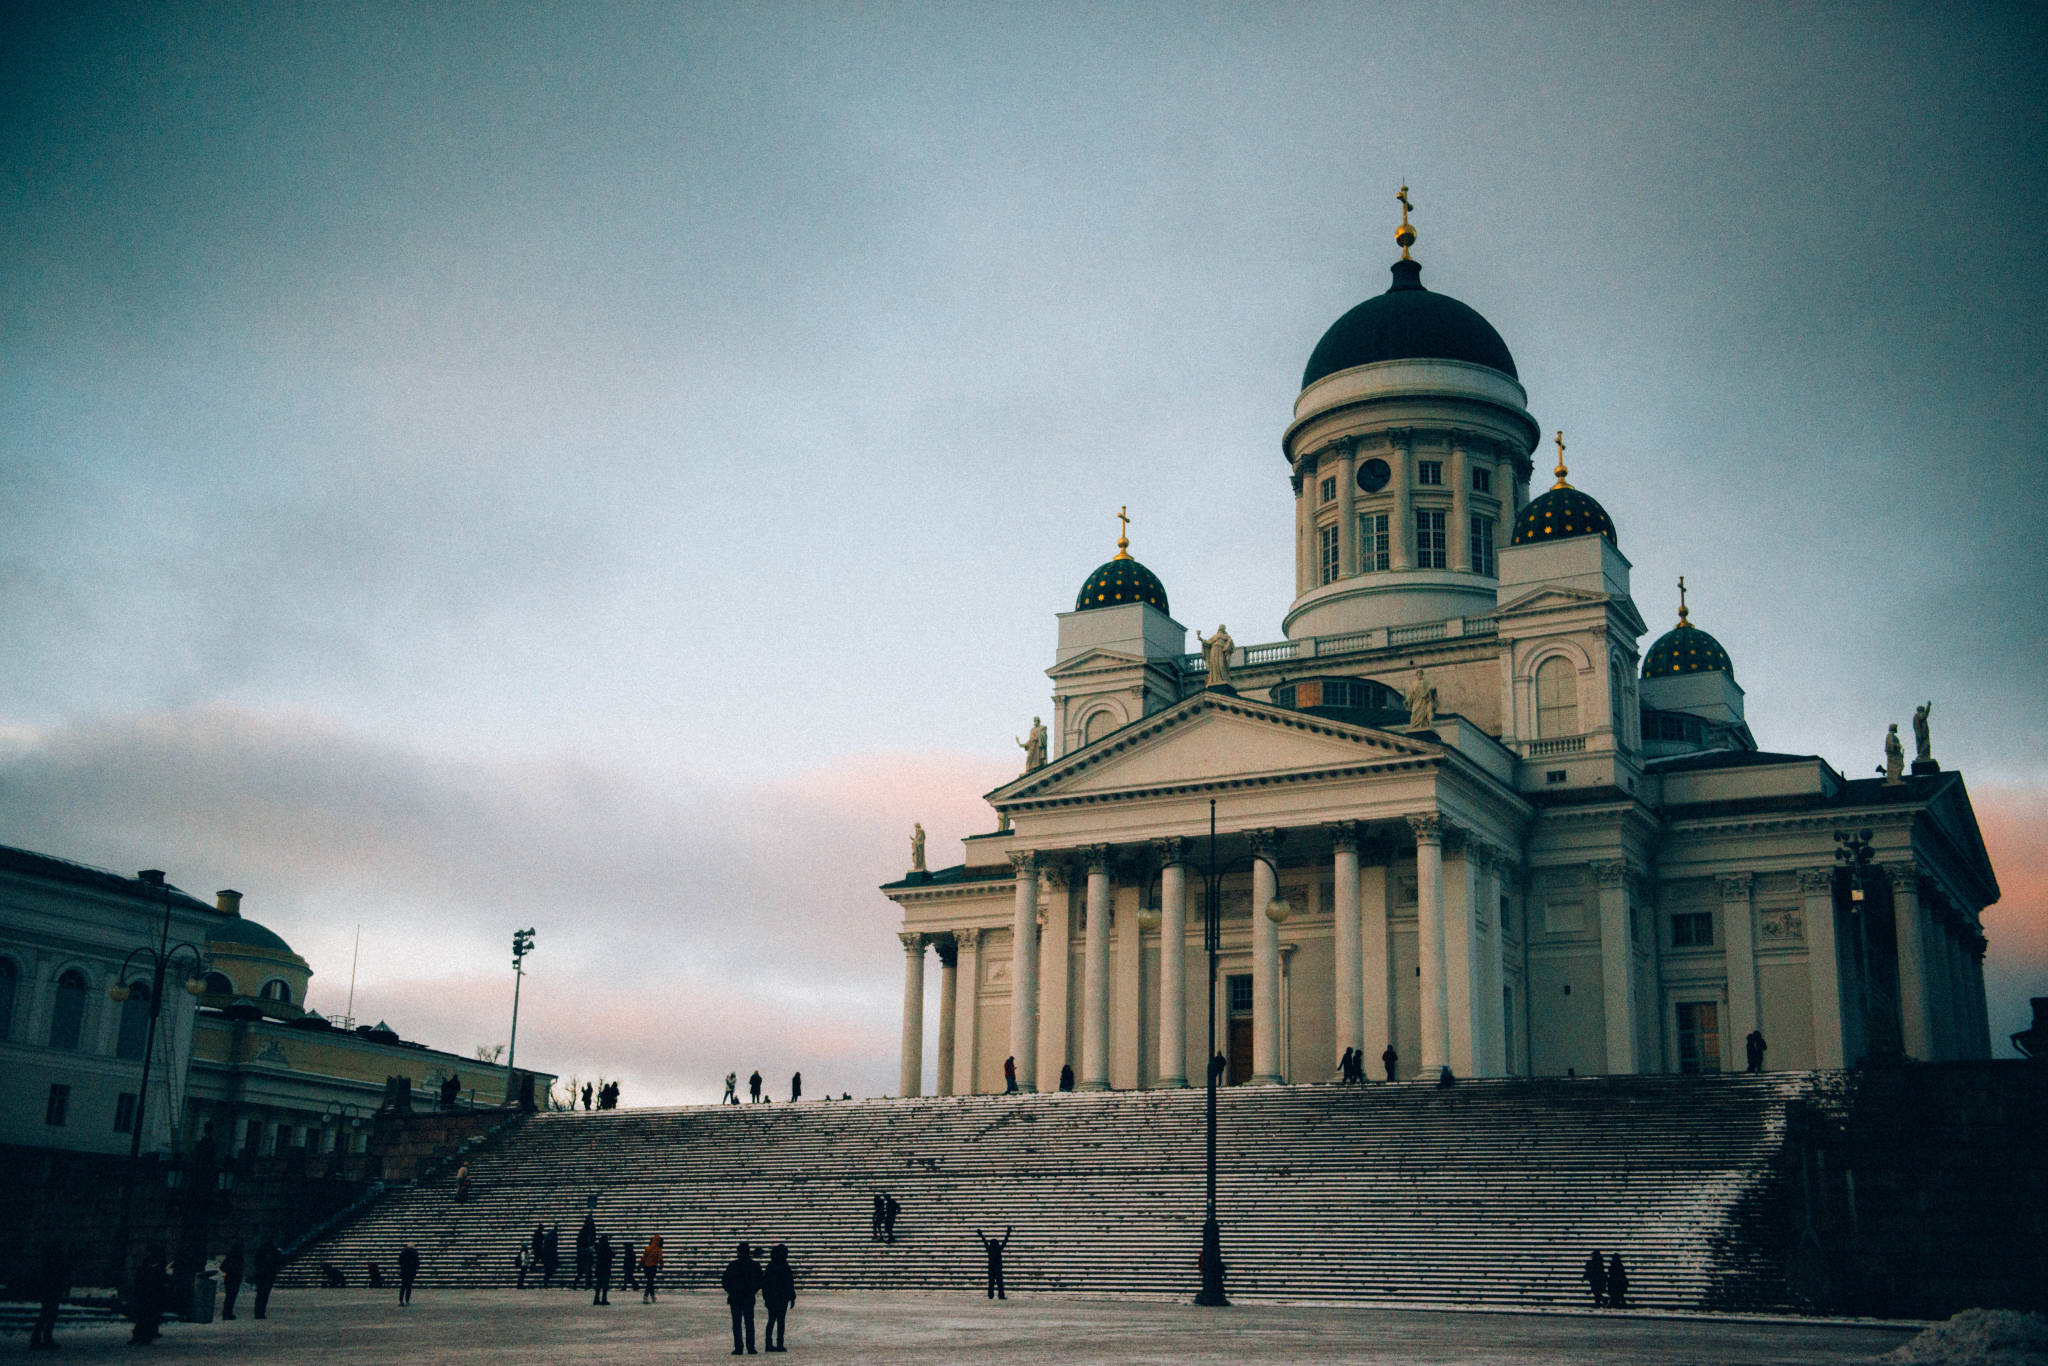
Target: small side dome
{"points": [[1122, 580], [239, 931], [1686, 649], [1563, 512]]}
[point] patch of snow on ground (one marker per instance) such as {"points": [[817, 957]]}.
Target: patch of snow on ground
{"points": [[1980, 1337]]}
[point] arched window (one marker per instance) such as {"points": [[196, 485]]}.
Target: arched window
{"points": [[134, 1023], [1557, 698], [276, 990], [217, 984], [1616, 717], [67, 1018], [9, 975], [1099, 725]]}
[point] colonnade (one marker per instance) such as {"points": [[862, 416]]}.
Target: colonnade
{"points": [[1461, 967]]}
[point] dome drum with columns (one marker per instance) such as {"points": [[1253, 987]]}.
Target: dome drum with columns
{"points": [[1512, 844]]}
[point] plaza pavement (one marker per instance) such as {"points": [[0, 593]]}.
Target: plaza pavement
{"points": [[510, 1327]]}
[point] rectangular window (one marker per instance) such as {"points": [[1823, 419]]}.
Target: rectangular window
{"points": [[1692, 931], [1328, 491], [59, 1102], [1240, 994], [1429, 538], [1375, 548], [1327, 552], [124, 1113], [1482, 547], [1429, 472], [1699, 1037], [1482, 480]]}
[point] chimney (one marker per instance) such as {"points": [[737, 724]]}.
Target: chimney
{"points": [[229, 902]]}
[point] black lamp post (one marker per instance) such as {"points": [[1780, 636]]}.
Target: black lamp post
{"points": [[160, 959], [1853, 853], [522, 944], [1212, 1293]]}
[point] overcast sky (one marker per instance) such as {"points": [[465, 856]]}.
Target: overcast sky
{"points": [[612, 469]]}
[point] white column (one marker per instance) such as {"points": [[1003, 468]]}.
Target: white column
{"points": [[1429, 941], [1265, 965], [1462, 977], [1350, 1022], [1173, 965], [1617, 967], [1909, 928], [1095, 969], [911, 1076], [1823, 964], [1127, 977], [967, 1029], [1024, 971], [949, 983], [1490, 1053], [1461, 505], [1738, 950], [1375, 981], [1980, 1010], [1346, 462], [1504, 484], [1402, 458], [1303, 579], [1055, 974]]}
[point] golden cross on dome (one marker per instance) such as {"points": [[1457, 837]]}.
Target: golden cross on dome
{"points": [[1123, 538], [1682, 613], [1404, 236], [1561, 470]]}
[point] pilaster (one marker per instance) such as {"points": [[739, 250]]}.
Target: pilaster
{"points": [[1738, 953], [1617, 966]]}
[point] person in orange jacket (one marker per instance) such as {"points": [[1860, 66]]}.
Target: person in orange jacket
{"points": [[650, 1265]]}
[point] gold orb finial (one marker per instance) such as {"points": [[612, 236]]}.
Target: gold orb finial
{"points": [[1561, 470], [1123, 538], [1682, 613], [1404, 236]]}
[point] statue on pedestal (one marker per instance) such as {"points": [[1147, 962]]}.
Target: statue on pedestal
{"points": [[917, 847], [1034, 747], [1923, 759], [1216, 655], [1894, 757], [1421, 700]]}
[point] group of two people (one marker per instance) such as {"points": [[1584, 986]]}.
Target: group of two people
{"points": [[883, 1229], [775, 1283], [1608, 1281]]}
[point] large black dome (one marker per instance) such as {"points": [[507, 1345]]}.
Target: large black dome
{"points": [[1408, 322], [1562, 513], [1686, 649], [1122, 580]]}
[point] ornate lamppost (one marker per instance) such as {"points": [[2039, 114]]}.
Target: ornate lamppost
{"points": [[522, 944], [1853, 855], [1277, 910]]}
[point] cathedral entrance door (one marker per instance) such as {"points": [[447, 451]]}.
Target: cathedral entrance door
{"points": [[1239, 1049]]}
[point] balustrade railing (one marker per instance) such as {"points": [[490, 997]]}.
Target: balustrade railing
{"points": [[1563, 744]]}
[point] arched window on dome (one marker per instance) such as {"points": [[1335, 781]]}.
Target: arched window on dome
{"points": [[67, 1016], [1099, 725], [217, 984], [276, 990], [1557, 698], [134, 1037]]}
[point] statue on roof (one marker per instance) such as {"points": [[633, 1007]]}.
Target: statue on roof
{"points": [[1421, 700], [917, 847], [1922, 741], [1216, 655], [1894, 757], [1034, 747]]}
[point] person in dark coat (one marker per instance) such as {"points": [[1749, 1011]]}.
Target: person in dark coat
{"points": [[53, 1283], [269, 1260], [741, 1282], [1388, 1060], [890, 1209], [1067, 1077], [881, 1213], [754, 1088], [519, 1256], [1754, 1045], [1344, 1067], [586, 1095], [778, 1292], [586, 1248], [1617, 1283], [602, 1258], [537, 1256], [628, 1264], [231, 1278], [408, 1272], [796, 1087], [1009, 1074], [551, 1256], [149, 1288], [1595, 1274], [1217, 1070], [994, 1249]]}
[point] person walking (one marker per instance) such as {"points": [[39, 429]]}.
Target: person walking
{"points": [[462, 1184], [1617, 1283], [1344, 1067], [269, 1260], [741, 1282], [650, 1267], [890, 1209], [731, 1096], [586, 1250], [53, 1283], [1595, 1274], [408, 1272], [881, 1213], [994, 1249], [754, 1088], [628, 1264], [1754, 1045], [149, 1287], [778, 1292], [551, 1256], [1388, 1060], [231, 1278], [1010, 1075], [603, 1279], [537, 1258], [796, 1087]]}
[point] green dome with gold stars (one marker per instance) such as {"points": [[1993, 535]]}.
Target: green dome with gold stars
{"points": [[1686, 649], [1563, 512], [1123, 580]]}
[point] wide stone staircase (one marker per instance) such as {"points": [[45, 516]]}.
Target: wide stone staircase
{"points": [[1483, 1193]]}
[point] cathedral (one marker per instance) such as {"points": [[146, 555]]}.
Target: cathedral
{"points": [[1456, 818]]}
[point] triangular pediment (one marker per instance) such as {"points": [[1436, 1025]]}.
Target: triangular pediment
{"points": [[1549, 596], [1210, 738], [1095, 658]]}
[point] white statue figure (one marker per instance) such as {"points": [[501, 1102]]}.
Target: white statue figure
{"points": [[1216, 655], [917, 847], [1421, 700], [1894, 756], [1034, 748], [1921, 739]]}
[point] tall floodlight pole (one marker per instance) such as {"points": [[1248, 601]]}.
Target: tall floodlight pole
{"points": [[522, 944]]}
